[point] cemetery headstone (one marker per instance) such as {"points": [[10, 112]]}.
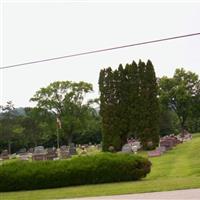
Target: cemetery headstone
{"points": [[31, 150], [162, 149], [39, 153], [72, 149], [22, 151], [64, 152], [111, 148], [127, 148], [154, 153], [137, 143], [4, 155], [51, 153], [134, 149]]}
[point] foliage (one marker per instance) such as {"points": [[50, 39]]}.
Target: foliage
{"points": [[39, 126], [9, 125], [91, 133], [100, 168], [65, 100], [181, 94], [129, 105], [30, 127], [149, 106], [169, 122]]}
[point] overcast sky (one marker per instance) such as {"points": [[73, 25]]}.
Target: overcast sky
{"points": [[33, 31]]}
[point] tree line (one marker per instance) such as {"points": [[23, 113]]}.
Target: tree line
{"points": [[61, 101], [132, 103]]}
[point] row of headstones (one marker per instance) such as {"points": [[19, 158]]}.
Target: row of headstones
{"points": [[52, 153], [40, 153], [167, 143]]}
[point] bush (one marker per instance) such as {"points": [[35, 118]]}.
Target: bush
{"points": [[100, 168]]}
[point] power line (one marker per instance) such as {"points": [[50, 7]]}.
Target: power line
{"points": [[100, 50]]}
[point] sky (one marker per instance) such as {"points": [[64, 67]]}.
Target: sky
{"points": [[34, 30]]}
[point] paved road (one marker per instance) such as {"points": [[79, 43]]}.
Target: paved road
{"points": [[192, 194]]}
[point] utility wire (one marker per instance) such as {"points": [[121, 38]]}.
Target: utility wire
{"points": [[100, 50]]}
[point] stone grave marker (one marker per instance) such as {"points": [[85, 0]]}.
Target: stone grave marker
{"points": [[31, 150], [168, 144], [134, 149], [51, 153], [162, 149], [64, 152], [4, 155], [127, 148], [138, 144], [72, 149], [39, 153], [22, 151], [154, 153]]}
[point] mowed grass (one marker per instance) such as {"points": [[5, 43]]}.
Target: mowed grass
{"points": [[177, 169]]}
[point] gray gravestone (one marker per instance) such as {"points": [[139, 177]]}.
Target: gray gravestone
{"points": [[39, 149], [64, 152], [162, 149], [5, 155], [72, 149], [154, 153], [127, 148], [39, 153], [51, 153]]}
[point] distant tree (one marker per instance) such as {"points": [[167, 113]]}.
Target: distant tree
{"points": [[38, 126], [180, 94], [91, 131], [9, 128], [169, 122], [65, 100]]}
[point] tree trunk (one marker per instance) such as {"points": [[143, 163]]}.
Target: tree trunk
{"points": [[69, 138], [9, 147], [183, 128]]}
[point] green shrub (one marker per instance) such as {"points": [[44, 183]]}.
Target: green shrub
{"points": [[100, 168]]}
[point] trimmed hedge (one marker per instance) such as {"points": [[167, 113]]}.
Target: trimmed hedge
{"points": [[100, 168]]}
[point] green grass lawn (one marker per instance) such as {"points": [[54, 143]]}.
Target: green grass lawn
{"points": [[177, 169]]}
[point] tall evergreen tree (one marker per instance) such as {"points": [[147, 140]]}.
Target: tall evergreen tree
{"points": [[133, 99], [108, 110], [151, 131], [142, 102], [129, 105], [123, 100]]}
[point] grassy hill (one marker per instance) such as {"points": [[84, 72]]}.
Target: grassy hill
{"points": [[177, 169]]}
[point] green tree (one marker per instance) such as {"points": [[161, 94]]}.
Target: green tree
{"points": [[133, 100], [129, 105], [38, 126], [91, 132], [65, 99], [108, 111], [179, 94], [10, 128]]}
